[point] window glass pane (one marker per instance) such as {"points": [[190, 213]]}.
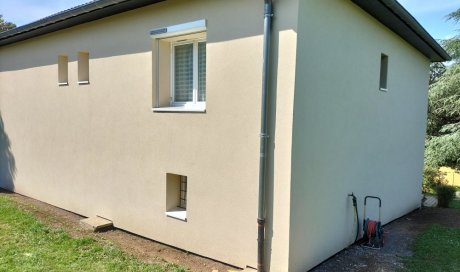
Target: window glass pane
{"points": [[202, 71], [183, 192], [183, 73], [383, 71]]}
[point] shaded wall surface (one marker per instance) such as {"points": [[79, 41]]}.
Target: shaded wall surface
{"points": [[7, 161], [348, 135]]}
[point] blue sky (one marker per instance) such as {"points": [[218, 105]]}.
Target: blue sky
{"points": [[430, 13], [22, 12]]}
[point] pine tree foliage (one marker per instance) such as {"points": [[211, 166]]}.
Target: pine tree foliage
{"points": [[452, 45], [4, 25], [442, 146]]}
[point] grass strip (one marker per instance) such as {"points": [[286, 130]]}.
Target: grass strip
{"points": [[436, 249], [28, 245], [455, 204]]}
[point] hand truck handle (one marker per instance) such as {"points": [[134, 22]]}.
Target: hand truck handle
{"points": [[378, 198]]}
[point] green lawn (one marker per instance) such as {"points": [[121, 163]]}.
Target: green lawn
{"points": [[28, 245], [436, 249], [455, 203]]}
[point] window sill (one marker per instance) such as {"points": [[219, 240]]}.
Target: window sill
{"points": [[177, 213], [179, 109], [83, 82], [63, 84], [383, 89]]}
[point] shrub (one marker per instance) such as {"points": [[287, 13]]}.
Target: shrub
{"points": [[445, 195], [432, 177]]}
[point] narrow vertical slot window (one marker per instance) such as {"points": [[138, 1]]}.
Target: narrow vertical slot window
{"points": [[83, 68], [384, 72], [63, 70]]}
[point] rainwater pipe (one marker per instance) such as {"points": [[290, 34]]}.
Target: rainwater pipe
{"points": [[268, 14]]}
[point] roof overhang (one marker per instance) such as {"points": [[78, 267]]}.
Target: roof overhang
{"points": [[88, 12], [388, 12], [394, 16]]}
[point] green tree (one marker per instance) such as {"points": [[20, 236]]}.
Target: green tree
{"points": [[452, 45], [443, 130], [442, 146], [4, 25], [437, 69]]}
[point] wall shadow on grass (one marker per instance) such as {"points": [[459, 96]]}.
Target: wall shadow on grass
{"points": [[7, 162]]}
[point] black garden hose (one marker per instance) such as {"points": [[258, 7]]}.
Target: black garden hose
{"points": [[355, 205]]}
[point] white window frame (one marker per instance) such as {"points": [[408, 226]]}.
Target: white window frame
{"points": [[194, 103], [175, 34]]}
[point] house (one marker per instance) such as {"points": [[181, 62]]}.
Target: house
{"points": [[148, 113]]}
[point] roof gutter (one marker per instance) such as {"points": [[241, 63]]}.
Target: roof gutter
{"points": [[78, 15], [268, 14]]}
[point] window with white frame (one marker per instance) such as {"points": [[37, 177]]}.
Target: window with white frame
{"points": [[180, 67], [188, 73]]}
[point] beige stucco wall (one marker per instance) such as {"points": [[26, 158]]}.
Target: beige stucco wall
{"points": [[348, 136], [98, 149]]}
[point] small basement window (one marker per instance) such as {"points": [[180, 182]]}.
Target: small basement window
{"points": [[384, 72], [180, 67], [83, 68], [63, 68], [176, 196]]}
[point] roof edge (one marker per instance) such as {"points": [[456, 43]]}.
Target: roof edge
{"points": [[88, 12], [389, 12], [393, 15]]}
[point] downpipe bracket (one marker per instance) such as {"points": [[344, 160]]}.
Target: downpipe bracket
{"points": [[264, 135]]}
